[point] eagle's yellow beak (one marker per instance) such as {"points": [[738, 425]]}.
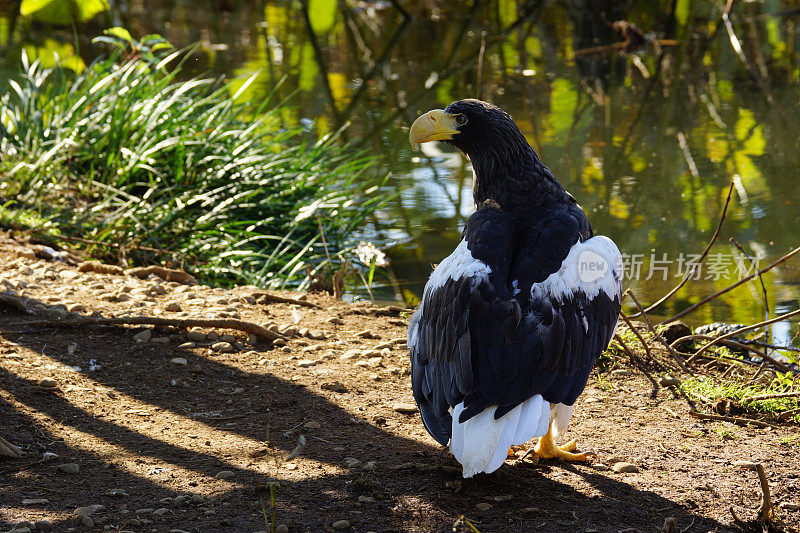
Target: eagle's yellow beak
{"points": [[435, 125]]}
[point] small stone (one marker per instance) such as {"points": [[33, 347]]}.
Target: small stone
{"points": [[624, 468], [786, 506], [621, 373], [173, 307], [405, 408], [224, 474], [48, 383], [197, 498], [282, 528], [384, 345], [335, 320], [76, 308], [227, 338], [367, 334], [160, 340], [143, 336], [746, 464], [161, 511], [341, 524], [366, 499], [86, 510], [500, 498], [529, 510], [179, 361], [312, 424], [350, 354], [87, 521], [69, 468], [483, 506], [669, 381], [187, 345], [35, 501], [305, 363], [196, 336], [224, 347], [351, 462], [43, 526], [333, 386]]}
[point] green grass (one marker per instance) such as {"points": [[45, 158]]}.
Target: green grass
{"points": [[713, 390], [129, 154]]}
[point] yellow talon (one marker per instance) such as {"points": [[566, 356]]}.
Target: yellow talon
{"points": [[546, 448]]}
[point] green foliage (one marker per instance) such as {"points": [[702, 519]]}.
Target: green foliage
{"points": [[126, 154], [62, 11], [738, 392]]}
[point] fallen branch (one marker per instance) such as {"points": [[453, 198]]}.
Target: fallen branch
{"points": [[9, 450], [732, 344], [786, 415], [635, 332], [771, 396], [766, 516], [655, 333], [731, 287], [222, 323], [273, 298], [748, 328], [733, 419]]}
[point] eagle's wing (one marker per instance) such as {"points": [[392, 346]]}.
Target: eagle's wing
{"points": [[510, 315]]}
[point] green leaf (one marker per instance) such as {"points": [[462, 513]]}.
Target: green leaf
{"points": [[62, 11], [322, 14], [120, 33]]}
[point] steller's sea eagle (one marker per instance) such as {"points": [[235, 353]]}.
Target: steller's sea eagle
{"points": [[513, 320]]}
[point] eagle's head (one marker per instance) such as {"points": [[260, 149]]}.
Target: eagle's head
{"points": [[505, 165], [472, 126]]}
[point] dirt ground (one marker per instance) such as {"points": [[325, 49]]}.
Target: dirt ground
{"points": [[119, 433]]}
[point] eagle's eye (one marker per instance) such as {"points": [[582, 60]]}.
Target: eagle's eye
{"points": [[460, 119]]}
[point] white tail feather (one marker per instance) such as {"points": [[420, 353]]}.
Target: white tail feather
{"points": [[481, 443]]}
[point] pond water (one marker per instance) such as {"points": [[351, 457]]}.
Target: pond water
{"points": [[646, 135]]}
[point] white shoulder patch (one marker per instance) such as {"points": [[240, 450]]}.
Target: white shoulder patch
{"points": [[459, 264], [590, 267]]}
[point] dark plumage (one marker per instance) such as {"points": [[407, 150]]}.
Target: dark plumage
{"points": [[509, 315]]}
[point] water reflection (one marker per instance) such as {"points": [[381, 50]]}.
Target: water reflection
{"points": [[647, 136]]}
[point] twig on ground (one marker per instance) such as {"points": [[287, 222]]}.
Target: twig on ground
{"points": [[635, 332], [9, 450], [628, 351], [786, 415], [655, 333], [734, 419], [696, 264], [731, 343], [273, 298], [770, 396], [222, 323], [748, 328], [731, 287], [766, 516]]}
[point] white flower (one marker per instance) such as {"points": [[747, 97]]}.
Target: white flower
{"points": [[368, 252]]}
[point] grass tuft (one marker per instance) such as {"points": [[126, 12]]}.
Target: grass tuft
{"points": [[127, 153]]}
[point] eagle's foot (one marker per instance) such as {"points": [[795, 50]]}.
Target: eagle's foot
{"points": [[546, 448]]}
